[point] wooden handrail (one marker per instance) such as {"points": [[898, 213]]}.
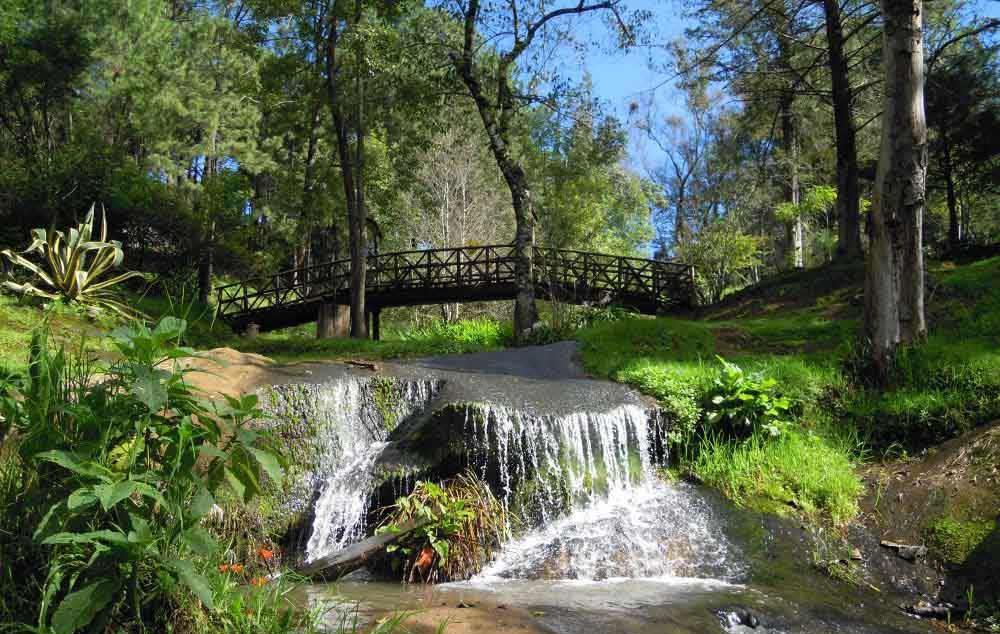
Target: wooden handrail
{"points": [[652, 283]]}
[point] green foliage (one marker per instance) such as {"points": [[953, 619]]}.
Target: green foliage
{"points": [[721, 254], [436, 339], [117, 473], [741, 405], [459, 524], [456, 337], [798, 470], [74, 266]]}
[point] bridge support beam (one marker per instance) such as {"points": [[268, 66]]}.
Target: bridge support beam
{"points": [[375, 325]]}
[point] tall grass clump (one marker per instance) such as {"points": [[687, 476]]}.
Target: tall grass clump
{"points": [[456, 337], [798, 470], [106, 480]]}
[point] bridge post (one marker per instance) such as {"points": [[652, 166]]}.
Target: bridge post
{"points": [[376, 324]]}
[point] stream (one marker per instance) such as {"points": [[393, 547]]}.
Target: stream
{"points": [[611, 547]]}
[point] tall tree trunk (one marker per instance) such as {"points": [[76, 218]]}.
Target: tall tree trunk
{"points": [[496, 121], [848, 209], [206, 264], [954, 220], [680, 221], [894, 283], [359, 325], [359, 222], [790, 145]]}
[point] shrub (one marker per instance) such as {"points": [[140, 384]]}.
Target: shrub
{"points": [[75, 265], [117, 472], [740, 404], [460, 526]]}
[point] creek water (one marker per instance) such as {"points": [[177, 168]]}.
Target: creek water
{"points": [[613, 547]]}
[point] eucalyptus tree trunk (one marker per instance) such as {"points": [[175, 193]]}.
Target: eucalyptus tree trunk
{"points": [[359, 221], [894, 284], [848, 210], [790, 145]]}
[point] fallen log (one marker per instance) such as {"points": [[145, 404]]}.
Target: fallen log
{"points": [[335, 566], [367, 365]]}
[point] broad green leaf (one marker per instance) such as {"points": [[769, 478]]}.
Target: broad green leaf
{"points": [[148, 387], [79, 608], [168, 328], [269, 462], [123, 456], [81, 498], [199, 541], [141, 532], [198, 584], [237, 485], [213, 451], [111, 494], [76, 464], [201, 504], [112, 537]]}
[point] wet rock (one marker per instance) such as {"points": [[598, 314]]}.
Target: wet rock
{"points": [[905, 551], [739, 616], [924, 609]]}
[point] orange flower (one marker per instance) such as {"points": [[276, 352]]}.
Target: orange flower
{"points": [[223, 567], [258, 581], [265, 554], [237, 568]]}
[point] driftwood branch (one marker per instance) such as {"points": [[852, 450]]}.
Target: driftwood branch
{"points": [[335, 566]]}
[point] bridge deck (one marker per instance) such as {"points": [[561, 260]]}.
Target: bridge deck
{"points": [[464, 274]]}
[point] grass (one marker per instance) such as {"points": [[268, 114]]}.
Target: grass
{"points": [[798, 470], [440, 338], [799, 330], [804, 338]]}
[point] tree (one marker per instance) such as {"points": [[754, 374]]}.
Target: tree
{"points": [[722, 256], [848, 190], [521, 22], [963, 99], [457, 199], [894, 281]]}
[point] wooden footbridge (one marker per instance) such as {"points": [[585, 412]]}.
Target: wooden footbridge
{"points": [[464, 274]]}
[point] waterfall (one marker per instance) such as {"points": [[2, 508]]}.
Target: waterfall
{"points": [[335, 431], [547, 464], [587, 482], [584, 482]]}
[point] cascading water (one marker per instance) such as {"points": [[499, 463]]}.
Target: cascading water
{"points": [[588, 480], [345, 422], [585, 480], [558, 462]]}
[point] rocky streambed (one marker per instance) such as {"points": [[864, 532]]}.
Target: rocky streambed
{"points": [[609, 547]]}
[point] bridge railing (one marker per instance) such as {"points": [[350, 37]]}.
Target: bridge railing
{"points": [[581, 272], [563, 274]]}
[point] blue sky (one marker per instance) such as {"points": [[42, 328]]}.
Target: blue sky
{"points": [[620, 78]]}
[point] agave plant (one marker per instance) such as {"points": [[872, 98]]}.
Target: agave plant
{"points": [[75, 266]]}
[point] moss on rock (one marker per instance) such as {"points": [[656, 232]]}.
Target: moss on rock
{"points": [[954, 540]]}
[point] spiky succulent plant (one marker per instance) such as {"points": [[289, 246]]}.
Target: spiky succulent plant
{"points": [[74, 267]]}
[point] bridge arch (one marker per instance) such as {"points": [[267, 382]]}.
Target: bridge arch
{"points": [[462, 274]]}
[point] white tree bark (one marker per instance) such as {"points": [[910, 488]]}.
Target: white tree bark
{"points": [[894, 283]]}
